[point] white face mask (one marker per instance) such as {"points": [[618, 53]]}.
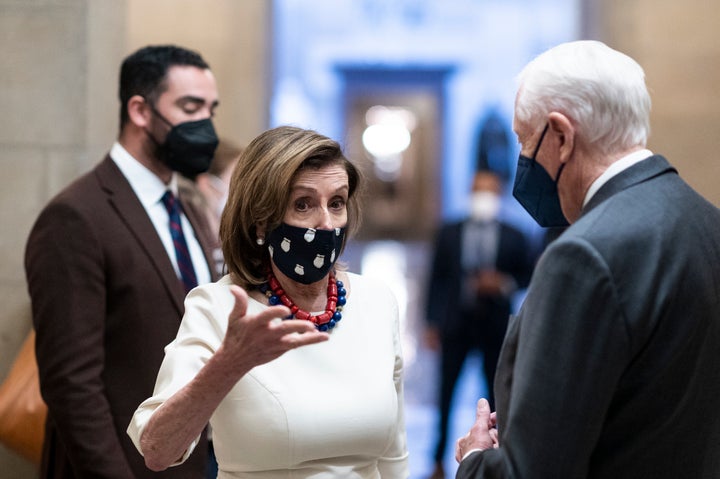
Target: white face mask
{"points": [[484, 206]]}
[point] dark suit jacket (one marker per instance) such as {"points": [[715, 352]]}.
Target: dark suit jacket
{"points": [[612, 367], [446, 275], [106, 301]]}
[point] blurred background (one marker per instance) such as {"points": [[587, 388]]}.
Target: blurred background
{"points": [[419, 92]]}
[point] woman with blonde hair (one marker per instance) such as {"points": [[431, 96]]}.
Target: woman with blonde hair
{"points": [[295, 364]]}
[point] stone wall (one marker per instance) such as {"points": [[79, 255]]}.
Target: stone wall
{"points": [[677, 44]]}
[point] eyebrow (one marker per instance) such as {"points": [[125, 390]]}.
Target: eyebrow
{"points": [[195, 99], [343, 188]]}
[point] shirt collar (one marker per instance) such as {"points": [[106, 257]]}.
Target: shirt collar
{"points": [[620, 165], [146, 184]]}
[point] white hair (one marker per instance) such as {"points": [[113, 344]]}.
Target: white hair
{"points": [[601, 90]]}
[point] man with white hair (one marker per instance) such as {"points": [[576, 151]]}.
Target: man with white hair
{"points": [[611, 369]]}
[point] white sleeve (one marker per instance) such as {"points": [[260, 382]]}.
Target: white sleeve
{"points": [[200, 334]]}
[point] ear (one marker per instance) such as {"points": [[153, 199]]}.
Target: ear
{"points": [[565, 132], [139, 111]]}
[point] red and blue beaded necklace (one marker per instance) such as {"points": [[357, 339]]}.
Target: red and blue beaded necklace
{"points": [[324, 321]]}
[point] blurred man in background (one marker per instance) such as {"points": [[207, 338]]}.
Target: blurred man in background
{"points": [[478, 265]]}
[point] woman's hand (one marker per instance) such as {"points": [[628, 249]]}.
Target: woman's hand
{"points": [[252, 340]]}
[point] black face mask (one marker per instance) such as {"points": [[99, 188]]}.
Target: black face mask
{"points": [[304, 255], [537, 192], [189, 147]]}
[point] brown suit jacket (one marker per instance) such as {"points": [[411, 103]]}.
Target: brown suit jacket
{"points": [[106, 301]]}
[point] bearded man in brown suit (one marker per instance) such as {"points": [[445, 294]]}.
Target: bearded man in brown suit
{"points": [[107, 276]]}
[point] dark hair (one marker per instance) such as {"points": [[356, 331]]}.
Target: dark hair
{"points": [[143, 72]]}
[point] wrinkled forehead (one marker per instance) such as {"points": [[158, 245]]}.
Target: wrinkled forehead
{"points": [[333, 174]]}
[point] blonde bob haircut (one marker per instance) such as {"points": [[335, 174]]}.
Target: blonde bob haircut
{"points": [[260, 194]]}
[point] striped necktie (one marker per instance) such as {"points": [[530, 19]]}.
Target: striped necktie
{"points": [[182, 253]]}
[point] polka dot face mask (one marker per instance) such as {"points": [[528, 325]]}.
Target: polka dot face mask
{"points": [[304, 255]]}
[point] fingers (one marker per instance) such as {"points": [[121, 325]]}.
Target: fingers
{"points": [[493, 420], [483, 408], [482, 416], [241, 301], [273, 315], [482, 411], [482, 434], [495, 439], [458, 449], [292, 333], [290, 326], [297, 333], [297, 340]]}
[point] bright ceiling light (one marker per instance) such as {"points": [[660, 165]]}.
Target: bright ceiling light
{"points": [[386, 139]]}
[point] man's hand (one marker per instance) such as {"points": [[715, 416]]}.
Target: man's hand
{"points": [[432, 338], [490, 282], [482, 435]]}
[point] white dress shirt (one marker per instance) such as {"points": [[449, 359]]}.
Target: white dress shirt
{"points": [[149, 189], [620, 165]]}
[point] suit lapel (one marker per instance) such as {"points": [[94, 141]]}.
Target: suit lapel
{"points": [[638, 173], [506, 366], [126, 204]]}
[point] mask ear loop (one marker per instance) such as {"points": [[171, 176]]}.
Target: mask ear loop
{"points": [[159, 115], [542, 135], [537, 148]]}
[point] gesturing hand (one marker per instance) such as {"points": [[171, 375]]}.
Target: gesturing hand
{"points": [[482, 435], [252, 340]]}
